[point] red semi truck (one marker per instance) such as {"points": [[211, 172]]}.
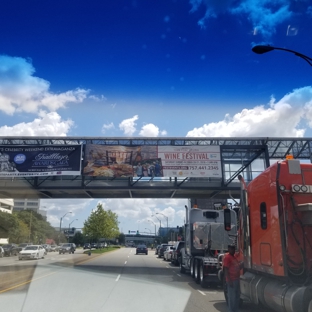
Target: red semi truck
{"points": [[275, 237]]}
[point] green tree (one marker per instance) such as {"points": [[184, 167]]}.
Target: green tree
{"points": [[9, 225], [38, 227], [19, 234], [78, 238], [121, 238], [101, 224]]}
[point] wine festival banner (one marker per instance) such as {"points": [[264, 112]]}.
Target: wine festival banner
{"points": [[40, 160], [152, 161]]}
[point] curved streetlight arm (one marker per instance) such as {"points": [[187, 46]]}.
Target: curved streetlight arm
{"points": [[154, 225], [165, 217], [260, 49], [72, 222], [62, 220], [156, 217]]}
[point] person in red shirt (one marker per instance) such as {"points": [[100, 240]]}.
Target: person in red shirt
{"points": [[231, 268]]}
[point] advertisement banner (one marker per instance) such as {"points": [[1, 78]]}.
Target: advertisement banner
{"points": [[40, 160], [190, 161], [152, 161]]}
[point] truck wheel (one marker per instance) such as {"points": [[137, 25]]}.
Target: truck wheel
{"points": [[192, 268], [182, 269], [196, 272], [203, 283]]}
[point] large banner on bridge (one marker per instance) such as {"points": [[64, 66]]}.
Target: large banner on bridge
{"points": [[40, 160], [152, 161]]}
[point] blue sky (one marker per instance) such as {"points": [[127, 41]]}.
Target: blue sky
{"points": [[144, 68]]}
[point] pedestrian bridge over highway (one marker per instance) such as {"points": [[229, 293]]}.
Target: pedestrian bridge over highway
{"points": [[91, 167]]}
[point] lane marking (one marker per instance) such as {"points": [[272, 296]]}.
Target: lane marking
{"points": [[25, 283], [128, 256], [167, 267], [117, 278], [179, 275], [201, 292], [211, 292], [126, 262]]}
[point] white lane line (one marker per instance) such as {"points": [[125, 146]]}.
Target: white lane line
{"points": [[211, 292], [117, 278], [126, 262], [179, 275], [128, 256], [167, 267], [202, 292]]}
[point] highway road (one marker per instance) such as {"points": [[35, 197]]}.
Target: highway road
{"points": [[117, 281]]}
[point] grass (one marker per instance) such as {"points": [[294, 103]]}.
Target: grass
{"points": [[102, 250]]}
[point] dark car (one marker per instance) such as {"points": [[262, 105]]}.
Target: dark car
{"points": [[68, 247], [87, 246], [141, 249], [23, 245], [176, 254], [162, 249], [157, 249], [94, 245], [10, 250]]}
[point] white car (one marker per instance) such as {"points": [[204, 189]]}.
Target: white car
{"points": [[168, 253], [32, 252]]}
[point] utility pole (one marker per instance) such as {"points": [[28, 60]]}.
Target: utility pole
{"points": [[30, 225]]}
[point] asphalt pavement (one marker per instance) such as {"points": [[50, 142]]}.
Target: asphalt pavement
{"points": [[117, 281]]}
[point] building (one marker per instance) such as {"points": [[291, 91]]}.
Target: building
{"points": [[164, 231], [6, 205], [29, 204]]}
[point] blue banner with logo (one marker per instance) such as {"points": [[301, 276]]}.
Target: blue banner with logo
{"points": [[40, 160]]}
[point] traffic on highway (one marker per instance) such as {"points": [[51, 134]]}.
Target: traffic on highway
{"points": [[121, 280]]}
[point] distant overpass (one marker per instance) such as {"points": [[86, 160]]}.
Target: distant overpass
{"points": [[247, 156]]}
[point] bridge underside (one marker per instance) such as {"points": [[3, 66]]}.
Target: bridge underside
{"points": [[80, 187], [246, 156]]}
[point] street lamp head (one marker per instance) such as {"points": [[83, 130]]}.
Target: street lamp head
{"points": [[260, 49]]}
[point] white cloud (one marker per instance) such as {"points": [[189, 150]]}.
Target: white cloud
{"points": [[56, 209], [128, 126], [279, 119], [107, 127], [47, 124], [142, 209], [264, 15], [21, 91], [98, 98], [150, 130]]}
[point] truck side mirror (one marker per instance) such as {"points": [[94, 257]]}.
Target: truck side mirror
{"points": [[227, 219]]}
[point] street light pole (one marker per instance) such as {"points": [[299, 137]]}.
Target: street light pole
{"points": [[30, 225], [260, 49], [159, 223], [154, 225], [61, 224], [167, 220], [69, 227]]}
